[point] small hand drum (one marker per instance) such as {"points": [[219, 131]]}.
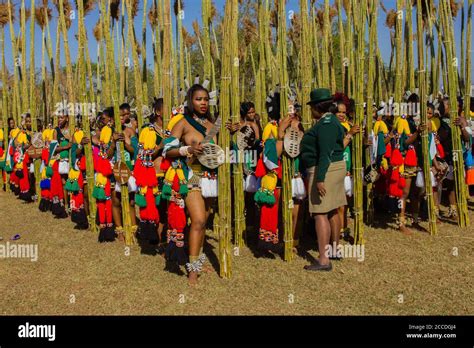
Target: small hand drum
{"points": [[371, 174], [37, 140], [121, 172], [245, 138], [443, 172], [34, 152], [212, 156], [292, 140]]}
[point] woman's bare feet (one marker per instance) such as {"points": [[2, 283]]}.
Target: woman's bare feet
{"points": [[207, 269], [193, 278], [405, 230]]}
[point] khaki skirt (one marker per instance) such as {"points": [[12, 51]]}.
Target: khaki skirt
{"points": [[334, 183]]}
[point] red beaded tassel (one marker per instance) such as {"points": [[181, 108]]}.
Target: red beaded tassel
{"points": [[78, 213], [14, 179], [146, 196], [268, 235], [25, 193], [57, 193], [104, 215], [45, 184], [176, 224]]}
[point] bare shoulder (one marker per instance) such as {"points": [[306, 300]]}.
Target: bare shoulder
{"points": [[129, 132], [179, 128]]}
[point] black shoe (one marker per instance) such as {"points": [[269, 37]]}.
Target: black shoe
{"points": [[318, 267], [335, 258]]}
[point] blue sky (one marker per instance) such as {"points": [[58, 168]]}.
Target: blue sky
{"points": [[192, 12]]}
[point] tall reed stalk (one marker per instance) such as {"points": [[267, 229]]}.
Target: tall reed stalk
{"points": [[224, 216], [69, 76], [16, 105], [166, 61], [372, 15], [305, 63], [467, 70], [136, 65], [398, 91]]}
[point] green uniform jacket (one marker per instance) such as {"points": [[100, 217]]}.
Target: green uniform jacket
{"points": [[323, 144]]}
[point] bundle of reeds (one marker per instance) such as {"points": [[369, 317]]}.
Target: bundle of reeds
{"points": [[224, 215], [63, 7], [16, 109], [237, 174], [42, 15], [166, 61], [372, 16], [272, 74], [179, 11], [357, 170], [262, 63], [467, 70], [349, 43], [326, 77], [84, 98], [398, 89], [424, 121], [287, 162], [410, 64], [205, 37], [110, 78], [54, 66], [144, 79], [25, 101], [452, 78], [342, 51], [5, 102], [131, 11], [32, 95], [305, 63]]}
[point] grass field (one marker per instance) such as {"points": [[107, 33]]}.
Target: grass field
{"points": [[75, 274]]}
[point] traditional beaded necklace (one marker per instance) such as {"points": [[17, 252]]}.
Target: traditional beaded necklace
{"points": [[202, 121]]}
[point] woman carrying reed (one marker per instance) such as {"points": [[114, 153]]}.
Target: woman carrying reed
{"points": [[187, 182]]}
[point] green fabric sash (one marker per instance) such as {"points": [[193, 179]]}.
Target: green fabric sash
{"points": [[199, 127]]}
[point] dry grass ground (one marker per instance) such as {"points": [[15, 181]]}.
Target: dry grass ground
{"points": [[103, 280]]}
